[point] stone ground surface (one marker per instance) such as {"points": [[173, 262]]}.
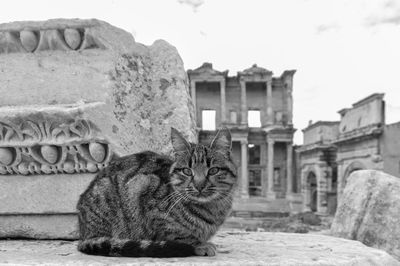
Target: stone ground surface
{"points": [[234, 248], [297, 223]]}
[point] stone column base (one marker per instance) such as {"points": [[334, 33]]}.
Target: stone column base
{"points": [[244, 196], [271, 195]]}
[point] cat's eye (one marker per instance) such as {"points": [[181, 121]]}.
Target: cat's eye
{"points": [[213, 171], [187, 171]]}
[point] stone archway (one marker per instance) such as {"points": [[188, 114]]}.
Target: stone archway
{"points": [[354, 166], [312, 191]]}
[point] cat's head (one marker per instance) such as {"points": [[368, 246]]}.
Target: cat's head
{"points": [[203, 173]]}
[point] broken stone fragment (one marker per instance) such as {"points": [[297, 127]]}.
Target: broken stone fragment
{"points": [[75, 93], [369, 211]]}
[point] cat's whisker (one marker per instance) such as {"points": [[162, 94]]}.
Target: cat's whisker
{"points": [[166, 199], [169, 198], [173, 205]]}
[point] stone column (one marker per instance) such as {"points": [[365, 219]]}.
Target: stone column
{"points": [[322, 203], [305, 191], [270, 190], [289, 104], [193, 92], [243, 102], [270, 115], [245, 179], [340, 181], [264, 180], [223, 101], [289, 168]]}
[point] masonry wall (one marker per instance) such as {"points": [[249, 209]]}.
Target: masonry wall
{"points": [[322, 133], [367, 114], [391, 149]]}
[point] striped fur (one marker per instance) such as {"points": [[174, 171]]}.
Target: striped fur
{"points": [[150, 205]]}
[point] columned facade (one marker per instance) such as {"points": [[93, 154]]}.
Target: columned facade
{"points": [[263, 150], [319, 167]]}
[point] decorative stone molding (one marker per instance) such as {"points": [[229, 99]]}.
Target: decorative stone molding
{"points": [[36, 40], [51, 147], [54, 35]]}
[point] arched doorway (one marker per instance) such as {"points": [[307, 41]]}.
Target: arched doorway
{"points": [[313, 191], [354, 166]]}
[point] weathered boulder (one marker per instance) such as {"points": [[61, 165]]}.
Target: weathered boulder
{"points": [[368, 211], [74, 94], [234, 248]]}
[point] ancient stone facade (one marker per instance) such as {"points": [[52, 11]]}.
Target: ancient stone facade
{"points": [[359, 139], [333, 150], [317, 158], [75, 93], [257, 108]]}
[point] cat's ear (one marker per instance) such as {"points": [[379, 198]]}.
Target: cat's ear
{"points": [[178, 141], [222, 140]]}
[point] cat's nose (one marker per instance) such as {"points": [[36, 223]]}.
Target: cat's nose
{"points": [[199, 182], [200, 185]]}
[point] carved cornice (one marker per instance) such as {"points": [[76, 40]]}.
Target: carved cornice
{"points": [[315, 146], [35, 37], [207, 70], [51, 147], [367, 132]]}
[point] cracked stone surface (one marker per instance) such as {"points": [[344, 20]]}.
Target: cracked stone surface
{"points": [[234, 248]]}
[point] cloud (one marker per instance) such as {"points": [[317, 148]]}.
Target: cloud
{"points": [[375, 20], [326, 27], [195, 4], [388, 13]]}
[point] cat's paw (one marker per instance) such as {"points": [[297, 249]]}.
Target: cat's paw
{"points": [[206, 249]]}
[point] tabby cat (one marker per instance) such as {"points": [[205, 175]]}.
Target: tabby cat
{"points": [[149, 205]]}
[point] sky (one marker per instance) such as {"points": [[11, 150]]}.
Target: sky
{"points": [[343, 50]]}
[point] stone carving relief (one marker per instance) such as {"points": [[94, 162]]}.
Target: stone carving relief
{"points": [[51, 148], [36, 40]]}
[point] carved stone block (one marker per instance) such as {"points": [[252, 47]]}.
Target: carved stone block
{"points": [[74, 94], [50, 143]]}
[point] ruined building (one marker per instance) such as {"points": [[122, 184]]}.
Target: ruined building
{"points": [[257, 108], [333, 150], [318, 174]]}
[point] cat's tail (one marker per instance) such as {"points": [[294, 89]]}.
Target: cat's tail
{"points": [[104, 246]]}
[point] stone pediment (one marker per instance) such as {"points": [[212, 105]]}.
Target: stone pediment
{"points": [[255, 71], [207, 70]]}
